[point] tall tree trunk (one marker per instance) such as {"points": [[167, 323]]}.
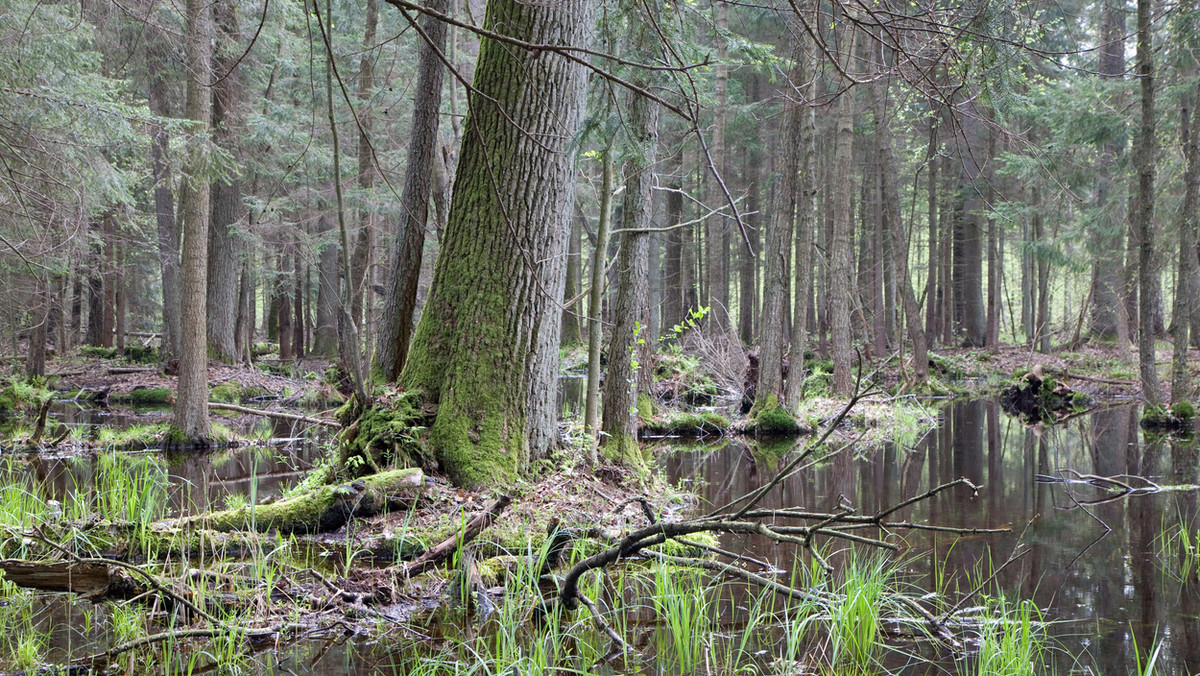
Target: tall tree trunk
{"points": [[282, 305], [673, 273], [591, 410], [1144, 161], [570, 331], [894, 227], [805, 210], [840, 266], [1181, 380], [396, 324], [1107, 233], [164, 203], [625, 359], [779, 247], [716, 271], [108, 269], [325, 336], [191, 399], [486, 349], [934, 281], [35, 356], [227, 210], [364, 245]]}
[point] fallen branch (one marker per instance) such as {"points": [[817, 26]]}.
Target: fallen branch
{"points": [[273, 414], [437, 554]]}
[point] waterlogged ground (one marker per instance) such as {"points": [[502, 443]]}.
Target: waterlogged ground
{"points": [[1107, 576], [1112, 576]]}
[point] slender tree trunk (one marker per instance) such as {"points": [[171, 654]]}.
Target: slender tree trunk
{"points": [[715, 229], [1108, 230], [1144, 161], [283, 308], [164, 204], [35, 357], [227, 209], [894, 226], [673, 273], [805, 208], [325, 336], [397, 322], [625, 359], [191, 398], [570, 332], [108, 267], [364, 245], [1181, 380], [486, 350], [933, 281], [779, 247], [591, 411], [840, 265]]}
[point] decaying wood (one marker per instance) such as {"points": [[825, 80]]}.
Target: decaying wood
{"points": [[280, 415], [90, 579], [438, 553]]}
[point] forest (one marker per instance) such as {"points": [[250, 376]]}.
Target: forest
{"points": [[599, 336]]}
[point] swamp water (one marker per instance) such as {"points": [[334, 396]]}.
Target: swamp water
{"points": [[1113, 576]]}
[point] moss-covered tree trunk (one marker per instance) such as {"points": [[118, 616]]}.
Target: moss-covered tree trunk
{"points": [[485, 352], [805, 225], [632, 312]]}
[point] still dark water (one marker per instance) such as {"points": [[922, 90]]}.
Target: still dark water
{"points": [[1103, 590], [1103, 574]]}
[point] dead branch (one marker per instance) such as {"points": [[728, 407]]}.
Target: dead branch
{"points": [[273, 414], [437, 554]]}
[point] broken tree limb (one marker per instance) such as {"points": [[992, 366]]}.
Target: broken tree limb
{"points": [[273, 414], [435, 555]]}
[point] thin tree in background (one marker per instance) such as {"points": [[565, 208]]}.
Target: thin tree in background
{"points": [[840, 266]]}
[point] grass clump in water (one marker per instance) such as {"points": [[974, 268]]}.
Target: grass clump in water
{"points": [[1011, 642]]}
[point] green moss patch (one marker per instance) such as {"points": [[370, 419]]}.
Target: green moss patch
{"points": [[683, 424], [226, 393], [143, 396], [390, 432], [773, 419]]}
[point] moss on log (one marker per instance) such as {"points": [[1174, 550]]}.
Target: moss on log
{"points": [[325, 508]]}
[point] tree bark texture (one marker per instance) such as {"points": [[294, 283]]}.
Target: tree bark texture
{"points": [[396, 323], [779, 246], [841, 268], [1144, 161], [227, 211], [191, 399], [1108, 228], [1181, 380], [486, 349], [805, 219], [325, 335], [632, 313]]}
